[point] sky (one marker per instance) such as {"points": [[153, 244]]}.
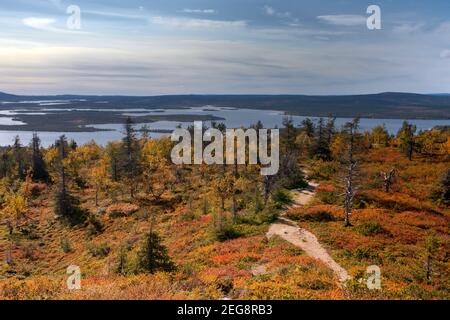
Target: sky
{"points": [[157, 47]]}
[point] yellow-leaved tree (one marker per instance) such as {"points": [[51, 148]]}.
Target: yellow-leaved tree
{"points": [[14, 208], [157, 176], [99, 177]]}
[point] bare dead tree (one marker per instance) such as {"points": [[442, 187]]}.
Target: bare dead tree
{"points": [[234, 189], [349, 193], [268, 186], [352, 128], [388, 179]]}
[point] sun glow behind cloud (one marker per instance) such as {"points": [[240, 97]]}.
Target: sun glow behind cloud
{"points": [[39, 23]]}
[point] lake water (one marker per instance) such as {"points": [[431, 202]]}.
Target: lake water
{"points": [[234, 118]]}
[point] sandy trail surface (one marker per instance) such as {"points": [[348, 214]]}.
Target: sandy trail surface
{"points": [[302, 238]]}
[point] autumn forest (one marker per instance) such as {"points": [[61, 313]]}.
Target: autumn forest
{"points": [[140, 227]]}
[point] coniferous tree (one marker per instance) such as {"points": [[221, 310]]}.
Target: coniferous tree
{"points": [[73, 145], [288, 136], [5, 164], [131, 154], [330, 131], [145, 132], [153, 255], [67, 206], [18, 154], [113, 153], [441, 192], [406, 136], [308, 127], [431, 248], [121, 263], [322, 146], [290, 174], [39, 170]]}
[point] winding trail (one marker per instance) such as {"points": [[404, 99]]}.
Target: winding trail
{"points": [[302, 238]]}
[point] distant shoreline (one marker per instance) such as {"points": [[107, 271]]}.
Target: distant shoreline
{"points": [[389, 105]]}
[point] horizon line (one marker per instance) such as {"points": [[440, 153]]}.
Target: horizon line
{"points": [[220, 94]]}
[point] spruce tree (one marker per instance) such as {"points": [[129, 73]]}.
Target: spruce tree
{"points": [[38, 166], [153, 255], [67, 206], [19, 158], [322, 146], [131, 155], [441, 192]]}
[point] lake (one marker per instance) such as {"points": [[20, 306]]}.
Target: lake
{"points": [[234, 118]]}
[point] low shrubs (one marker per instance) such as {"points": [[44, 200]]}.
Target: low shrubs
{"points": [[94, 225], [311, 215], [66, 245], [323, 170], [36, 189], [68, 208], [121, 210], [38, 288], [281, 198], [99, 250], [370, 228], [328, 195], [227, 232], [267, 215], [366, 254]]}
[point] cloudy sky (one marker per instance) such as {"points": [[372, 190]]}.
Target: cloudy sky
{"points": [[148, 47]]}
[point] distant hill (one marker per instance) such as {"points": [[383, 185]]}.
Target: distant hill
{"points": [[391, 105], [6, 96]]}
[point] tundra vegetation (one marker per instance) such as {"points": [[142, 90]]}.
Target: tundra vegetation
{"points": [[140, 227]]}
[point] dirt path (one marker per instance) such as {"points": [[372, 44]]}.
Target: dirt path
{"points": [[302, 238]]}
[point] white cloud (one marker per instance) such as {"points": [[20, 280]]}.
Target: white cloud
{"points": [[39, 23], [445, 54], [116, 14], [206, 11], [270, 11], [196, 23], [407, 28], [47, 24], [347, 20]]}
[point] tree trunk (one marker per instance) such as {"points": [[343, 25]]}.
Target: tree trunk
{"points": [[428, 267], [349, 194], [234, 208], [349, 190]]}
